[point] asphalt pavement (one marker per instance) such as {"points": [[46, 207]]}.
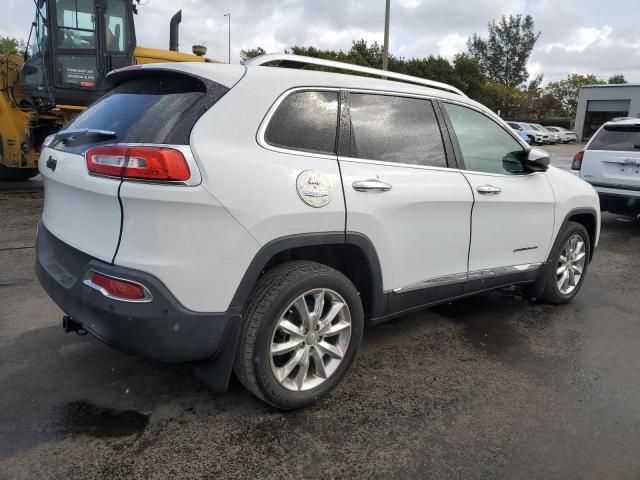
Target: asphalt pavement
{"points": [[492, 386]]}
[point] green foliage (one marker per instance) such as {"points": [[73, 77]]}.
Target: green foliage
{"points": [[504, 54], [617, 79], [10, 45], [566, 91], [251, 53]]}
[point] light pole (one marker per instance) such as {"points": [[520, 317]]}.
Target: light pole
{"points": [[229, 15], [385, 48]]}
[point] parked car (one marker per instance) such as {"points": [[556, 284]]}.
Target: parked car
{"points": [[610, 162], [535, 137], [553, 136], [254, 218], [565, 135], [523, 136]]}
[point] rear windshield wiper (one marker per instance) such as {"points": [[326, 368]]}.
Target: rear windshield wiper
{"points": [[83, 135]]}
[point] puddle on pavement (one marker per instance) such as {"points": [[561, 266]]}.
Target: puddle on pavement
{"points": [[83, 418]]}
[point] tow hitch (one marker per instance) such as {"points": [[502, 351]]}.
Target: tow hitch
{"points": [[70, 325]]}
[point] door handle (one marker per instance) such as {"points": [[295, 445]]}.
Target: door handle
{"points": [[488, 190], [371, 184]]}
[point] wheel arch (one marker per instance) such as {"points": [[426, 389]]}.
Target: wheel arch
{"points": [[351, 253], [588, 218]]}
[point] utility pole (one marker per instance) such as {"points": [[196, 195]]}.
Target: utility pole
{"points": [[385, 49], [229, 15]]}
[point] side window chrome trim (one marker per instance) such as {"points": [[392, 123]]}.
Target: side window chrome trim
{"points": [[262, 130], [345, 159]]}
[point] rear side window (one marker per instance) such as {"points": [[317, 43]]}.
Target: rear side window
{"points": [[395, 129], [162, 109], [619, 138], [305, 120]]}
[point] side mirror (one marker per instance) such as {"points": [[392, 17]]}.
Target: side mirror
{"points": [[537, 160]]}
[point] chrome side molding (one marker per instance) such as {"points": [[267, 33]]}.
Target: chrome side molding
{"points": [[463, 277]]}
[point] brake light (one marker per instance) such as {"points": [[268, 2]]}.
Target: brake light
{"points": [[117, 288], [143, 163], [577, 160]]}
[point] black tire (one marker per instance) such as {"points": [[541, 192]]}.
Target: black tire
{"points": [[11, 174], [551, 293], [273, 294]]}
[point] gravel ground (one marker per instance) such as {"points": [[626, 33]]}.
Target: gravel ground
{"points": [[487, 387]]}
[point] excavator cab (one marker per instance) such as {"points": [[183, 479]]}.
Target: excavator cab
{"points": [[73, 45]]}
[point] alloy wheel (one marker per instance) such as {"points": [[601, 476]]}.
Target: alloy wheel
{"points": [[310, 339], [571, 264]]}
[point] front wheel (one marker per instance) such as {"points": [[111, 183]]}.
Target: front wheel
{"points": [[301, 331], [568, 264]]}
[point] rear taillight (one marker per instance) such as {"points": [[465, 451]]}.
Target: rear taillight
{"points": [[117, 288], [577, 160], [142, 163]]}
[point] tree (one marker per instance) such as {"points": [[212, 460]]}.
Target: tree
{"points": [[566, 92], [10, 45], [251, 53], [617, 79], [504, 54]]}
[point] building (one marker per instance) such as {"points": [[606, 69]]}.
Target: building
{"points": [[598, 104]]}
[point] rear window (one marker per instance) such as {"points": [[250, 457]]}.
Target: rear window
{"points": [[623, 138], [161, 109]]}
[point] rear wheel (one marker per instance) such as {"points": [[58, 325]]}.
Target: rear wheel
{"points": [[568, 265], [11, 174], [302, 329]]}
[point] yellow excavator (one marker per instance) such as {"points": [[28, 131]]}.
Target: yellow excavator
{"points": [[72, 46]]}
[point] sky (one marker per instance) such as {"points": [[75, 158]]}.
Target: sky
{"points": [[582, 36]]}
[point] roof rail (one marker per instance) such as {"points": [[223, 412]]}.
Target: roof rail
{"points": [[300, 61]]}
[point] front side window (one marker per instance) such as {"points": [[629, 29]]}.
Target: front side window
{"points": [[117, 33], [395, 129], [485, 145], [515, 126], [305, 120], [76, 24]]}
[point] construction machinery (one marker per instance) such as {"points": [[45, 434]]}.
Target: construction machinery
{"points": [[72, 46]]}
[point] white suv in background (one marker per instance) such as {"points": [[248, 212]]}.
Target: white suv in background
{"points": [[255, 218], [611, 163]]}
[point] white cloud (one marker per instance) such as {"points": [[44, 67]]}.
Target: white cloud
{"points": [[452, 44]]}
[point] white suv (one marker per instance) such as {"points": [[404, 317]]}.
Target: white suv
{"points": [[255, 218], [611, 163]]}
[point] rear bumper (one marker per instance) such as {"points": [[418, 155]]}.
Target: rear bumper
{"points": [[618, 200], [161, 329]]}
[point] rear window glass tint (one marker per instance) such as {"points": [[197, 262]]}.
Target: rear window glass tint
{"points": [[617, 138], [162, 109], [305, 121]]}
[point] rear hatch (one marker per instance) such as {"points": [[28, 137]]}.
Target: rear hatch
{"points": [[148, 106], [612, 157]]}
